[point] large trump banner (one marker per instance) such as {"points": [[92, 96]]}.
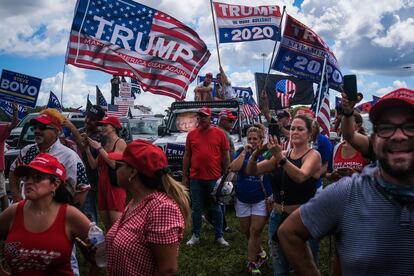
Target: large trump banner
{"points": [[302, 53], [238, 23], [125, 38], [19, 88]]}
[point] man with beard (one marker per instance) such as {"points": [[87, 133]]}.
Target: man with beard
{"points": [[94, 114], [206, 158], [371, 214]]}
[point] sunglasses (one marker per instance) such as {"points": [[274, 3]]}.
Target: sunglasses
{"points": [[39, 177], [43, 127], [119, 164]]}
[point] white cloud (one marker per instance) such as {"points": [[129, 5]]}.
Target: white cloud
{"points": [[395, 85]]}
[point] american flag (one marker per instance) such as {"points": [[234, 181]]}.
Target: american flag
{"points": [[100, 99], [125, 38], [117, 110], [285, 90], [323, 115]]}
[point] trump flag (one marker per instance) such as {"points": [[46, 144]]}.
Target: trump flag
{"points": [[302, 53], [129, 39], [238, 23]]}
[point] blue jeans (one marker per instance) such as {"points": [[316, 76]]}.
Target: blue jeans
{"points": [[279, 262], [89, 207], [200, 191]]}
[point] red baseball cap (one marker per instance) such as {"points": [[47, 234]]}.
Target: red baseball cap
{"points": [[209, 74], [44, 163], [226, 113], [400, 98], [144, 156], [306, 111], [205, 110], [111, 120], [46, 119]]}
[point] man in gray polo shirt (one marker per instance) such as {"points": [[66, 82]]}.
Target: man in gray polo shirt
{"points": [[371, 214]]}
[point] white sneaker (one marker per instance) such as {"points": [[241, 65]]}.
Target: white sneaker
{"points": [[194, 240], [222, 242]]}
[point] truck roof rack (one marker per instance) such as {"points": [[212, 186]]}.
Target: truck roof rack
{"points": [[199, 104]]}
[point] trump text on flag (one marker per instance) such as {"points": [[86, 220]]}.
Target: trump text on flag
{"points": [[238, 23], [129, 39], [302, 53]]}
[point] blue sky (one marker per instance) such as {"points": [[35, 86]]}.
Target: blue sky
{"points": [[375, 42]]}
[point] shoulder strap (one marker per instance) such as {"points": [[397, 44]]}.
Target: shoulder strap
{"points": [[305, 153], [113, 149], [263, 188]]}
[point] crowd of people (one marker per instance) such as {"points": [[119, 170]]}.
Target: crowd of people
{"points": [[284, 178]]}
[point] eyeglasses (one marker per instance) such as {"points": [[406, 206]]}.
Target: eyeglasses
{"points": [[43, 127], [39, 177], [388, 130], [119, 164], [203, 117]]}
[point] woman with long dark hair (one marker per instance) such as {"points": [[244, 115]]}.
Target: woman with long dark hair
{"points": [[40, 231], [295, 175], [111, 197], [145, 239]]}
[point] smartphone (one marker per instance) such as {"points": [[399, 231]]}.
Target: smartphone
{"points": [[274, 131], [350, 87]]}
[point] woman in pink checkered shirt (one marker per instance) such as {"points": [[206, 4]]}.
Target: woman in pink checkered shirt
{"points": [[145, 239]]}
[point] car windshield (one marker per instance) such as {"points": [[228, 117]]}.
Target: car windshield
{"points": [[145, 126]]}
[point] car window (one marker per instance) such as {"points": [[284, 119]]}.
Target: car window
{"points": [[145, 126]]}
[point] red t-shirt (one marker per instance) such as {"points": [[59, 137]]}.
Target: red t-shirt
{"points": [[4, 134], [357, 162], [207, 147]]}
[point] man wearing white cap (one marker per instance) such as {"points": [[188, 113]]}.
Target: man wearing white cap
{"points": [[371, 214]]}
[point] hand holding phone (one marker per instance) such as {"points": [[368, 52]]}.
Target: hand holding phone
{"points": [[350, 87]]}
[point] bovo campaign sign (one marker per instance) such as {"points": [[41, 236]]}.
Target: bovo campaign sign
{"points": [[302, 53], [19, 88], [238, 23]]}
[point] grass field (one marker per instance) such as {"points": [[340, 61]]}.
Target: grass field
{"points": [[208, 258]]}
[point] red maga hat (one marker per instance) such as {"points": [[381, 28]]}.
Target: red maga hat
{"points": [[46, 119], [205, 110], [44, 163], [226, 113], [111, 120], [400, 98], [147, 158]]}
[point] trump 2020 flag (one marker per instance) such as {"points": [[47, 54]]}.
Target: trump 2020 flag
{"points": [[238, 23], [302, 52], [7, 109], [54, 102], [126, 38]]}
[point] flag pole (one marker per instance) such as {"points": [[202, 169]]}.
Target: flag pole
{"points": [[274, 48], [320, 86], [61, 89], [215, 33]]}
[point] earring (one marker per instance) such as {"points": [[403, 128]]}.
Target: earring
{"points": [[53, 193]]}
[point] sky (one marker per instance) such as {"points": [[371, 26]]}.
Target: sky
{"points": [[373, 39]]}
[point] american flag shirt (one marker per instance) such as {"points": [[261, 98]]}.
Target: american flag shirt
{"points": [[76, 181]]}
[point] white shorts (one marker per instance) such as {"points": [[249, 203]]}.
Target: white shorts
{"points": [[2, 184], [246, 210]]}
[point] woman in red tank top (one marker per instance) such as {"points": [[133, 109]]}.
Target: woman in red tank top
{"points": [[346, 160], [111, 197], [41, 229]]}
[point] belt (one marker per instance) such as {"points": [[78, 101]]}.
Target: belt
{"points": [[286, 208]]}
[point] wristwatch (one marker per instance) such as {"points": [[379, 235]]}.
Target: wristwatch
{"points": [[282, 161]]}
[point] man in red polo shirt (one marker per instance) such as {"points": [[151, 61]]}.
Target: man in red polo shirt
{"points": [[206, 158]]}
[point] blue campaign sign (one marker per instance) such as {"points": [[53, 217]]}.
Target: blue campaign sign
{"points": [[19, 88], [175, 150], [244, 93]]}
